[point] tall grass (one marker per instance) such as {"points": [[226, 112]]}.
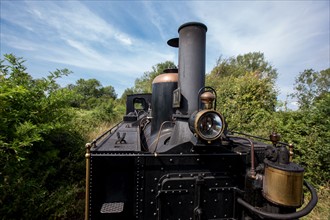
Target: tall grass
{"points": [[91, 126], [95, 132], [322, 209]]}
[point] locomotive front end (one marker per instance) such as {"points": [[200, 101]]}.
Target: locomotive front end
{"points": [[174, 158]]}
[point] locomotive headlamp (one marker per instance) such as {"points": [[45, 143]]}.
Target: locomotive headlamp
{"points": [[207, 124]]}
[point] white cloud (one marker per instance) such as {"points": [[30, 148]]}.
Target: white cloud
{"points": [[19, 43], [292, 35], [124, 39]]}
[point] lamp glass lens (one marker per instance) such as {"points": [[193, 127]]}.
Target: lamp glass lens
{"points": [[210, 125]]}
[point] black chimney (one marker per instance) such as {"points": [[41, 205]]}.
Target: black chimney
{"points": [[192, 41]]}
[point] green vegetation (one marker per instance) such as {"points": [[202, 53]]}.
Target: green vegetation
{"points": [[246, 93], [247, 97], [42, 134], [43, 128]]}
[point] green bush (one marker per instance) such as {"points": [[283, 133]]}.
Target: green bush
{"points": [[41, 149]]}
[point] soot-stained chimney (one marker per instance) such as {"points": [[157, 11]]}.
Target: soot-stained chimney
{"points": [[192, 41]]}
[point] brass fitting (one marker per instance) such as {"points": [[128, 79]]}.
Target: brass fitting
{"points": [[291, 152], [207, 99], [274, 138]]}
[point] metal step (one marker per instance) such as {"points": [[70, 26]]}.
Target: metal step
{"points": [[112, 207]]}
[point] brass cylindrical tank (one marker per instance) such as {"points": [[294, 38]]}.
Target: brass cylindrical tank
{"points": [[283, 184]]}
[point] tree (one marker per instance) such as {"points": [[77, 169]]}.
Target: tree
{"points": [[39, 145], [88, 88], [108, 92], [90, 93], [128, 91], [308, 127], [311, 85], [308, 130], [246, 92], [251, 62]]}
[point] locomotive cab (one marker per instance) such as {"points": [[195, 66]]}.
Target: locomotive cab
{"points": [[173, 157]]}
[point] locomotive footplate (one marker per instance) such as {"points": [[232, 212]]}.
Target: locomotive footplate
{"points": [[200, 195]]}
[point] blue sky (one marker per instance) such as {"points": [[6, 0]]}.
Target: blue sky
{"points": [[115, 42]]}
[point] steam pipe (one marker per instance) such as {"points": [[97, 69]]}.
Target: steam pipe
{"points": [[257, 137], [296, 215], [159, 132]]}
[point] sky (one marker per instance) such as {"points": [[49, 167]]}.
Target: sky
{"points": [[115, 42]]}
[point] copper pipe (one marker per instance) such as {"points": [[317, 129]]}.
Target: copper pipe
{"points": [[159, 132], [260, 138], [88, 164], [252, 171]]}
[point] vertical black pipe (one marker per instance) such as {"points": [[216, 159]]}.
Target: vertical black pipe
{"points": [[192, 41]]}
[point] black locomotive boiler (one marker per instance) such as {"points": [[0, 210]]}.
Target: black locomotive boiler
{"points": [[172, 156]]}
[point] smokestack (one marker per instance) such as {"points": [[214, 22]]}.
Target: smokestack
{"points": [[192, 41]]}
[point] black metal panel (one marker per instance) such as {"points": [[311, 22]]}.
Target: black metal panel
{"points": [[142, 186], [202, 196], [112, 184], [185, 182]]}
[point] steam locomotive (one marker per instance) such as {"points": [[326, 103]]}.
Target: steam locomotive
{"points": [[173, 157]]}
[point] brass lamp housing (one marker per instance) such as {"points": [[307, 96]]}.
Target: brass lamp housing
{"points": [[214, 122], [283, 184]]}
